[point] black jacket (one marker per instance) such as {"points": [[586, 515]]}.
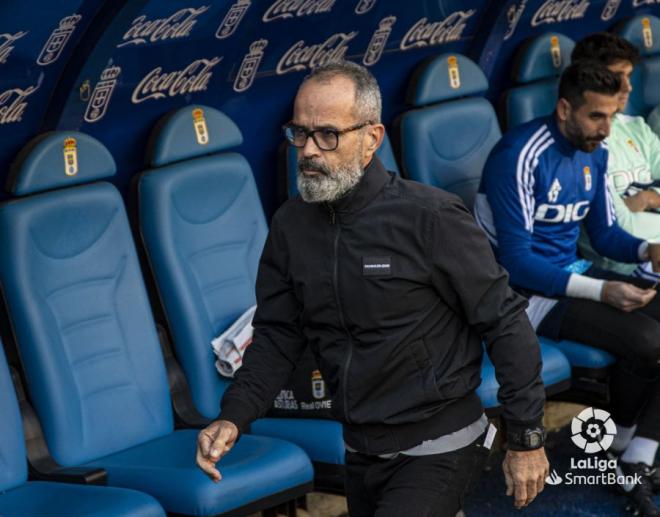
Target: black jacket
{"points": [[394, 287]]}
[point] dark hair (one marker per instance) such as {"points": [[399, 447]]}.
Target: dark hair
{"points": [[367, 93], [606, 47], [582, 76]]}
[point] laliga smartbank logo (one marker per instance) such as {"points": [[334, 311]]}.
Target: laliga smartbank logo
{"points": [[592, 431]]}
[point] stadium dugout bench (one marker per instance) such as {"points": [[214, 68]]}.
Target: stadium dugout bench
{"points": [[89, 348]]}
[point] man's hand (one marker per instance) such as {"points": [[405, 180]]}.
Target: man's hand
{"points": [[654, 256], [212, 444], [625, 296], [643, 200], [525, 473]]}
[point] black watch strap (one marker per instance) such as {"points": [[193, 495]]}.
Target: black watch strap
{"points": [[526, 440]]}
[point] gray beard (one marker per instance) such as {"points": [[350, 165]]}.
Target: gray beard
{"points": [[326, 188]]}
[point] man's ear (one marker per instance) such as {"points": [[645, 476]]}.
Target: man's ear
{"points": [[374, 137], [563, 109]]}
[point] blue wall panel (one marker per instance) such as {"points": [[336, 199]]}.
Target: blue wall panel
{"points": [[123, 64]]}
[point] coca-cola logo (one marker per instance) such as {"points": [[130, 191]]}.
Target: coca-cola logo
{"points": [[13, 104], [639, 3], [6, 44], [513, 16], [424, 33], [299, 57], [553, 11], [176, 26], [158, 84], [283, 9]]}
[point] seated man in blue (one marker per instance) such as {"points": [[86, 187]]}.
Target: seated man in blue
{"points": [[540, 182]]}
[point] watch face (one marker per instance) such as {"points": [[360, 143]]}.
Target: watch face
{"points": [[534, 439]]}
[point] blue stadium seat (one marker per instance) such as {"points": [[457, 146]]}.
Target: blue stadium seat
{"points": [[556, 375], [441, 146], [581, 356], [89, 348], [384, 153], [643, 31], [203, 227], [537, 67], [22, 498], [445, 139]]}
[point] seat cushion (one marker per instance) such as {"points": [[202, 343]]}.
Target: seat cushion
{"points": [[556, 369], [580, 355], [46, 499], [255, 468], [322, 440]]}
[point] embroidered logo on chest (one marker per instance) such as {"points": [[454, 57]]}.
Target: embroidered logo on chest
{"points": [[376, 266]]}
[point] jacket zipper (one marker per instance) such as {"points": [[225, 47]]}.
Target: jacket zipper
{"points": [[335, 283]]}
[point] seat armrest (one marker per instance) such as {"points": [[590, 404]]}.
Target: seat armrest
{"points": [[75, 475]]}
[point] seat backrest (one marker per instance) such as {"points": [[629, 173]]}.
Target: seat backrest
{"points": [[644, 32], [13, 466], [203, 227], [537, 66], [78, 305], [384, 153], [445, 139], [653, 120]]}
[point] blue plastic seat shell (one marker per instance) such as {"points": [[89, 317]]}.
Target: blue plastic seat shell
{"points": [[556, 369], [255, 468], [581, 355], [49, 499], [322, 440]]}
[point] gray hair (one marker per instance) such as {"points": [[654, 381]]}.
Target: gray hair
{"points": [[367, 93]]}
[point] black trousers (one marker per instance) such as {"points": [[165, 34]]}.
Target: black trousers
{"points": [[419, 486], [634, 337]]}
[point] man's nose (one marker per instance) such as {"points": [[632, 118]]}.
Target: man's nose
{"points": [[310, 148], [605, 128], [626, 85]]}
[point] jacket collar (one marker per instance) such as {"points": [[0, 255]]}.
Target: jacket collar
{"points": [[562, 143], [373, 180]]}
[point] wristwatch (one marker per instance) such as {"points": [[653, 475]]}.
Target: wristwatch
{"points": [[527, 440]]}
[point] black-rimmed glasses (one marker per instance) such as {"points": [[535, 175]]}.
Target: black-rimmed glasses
{"points": [[325, 138]]}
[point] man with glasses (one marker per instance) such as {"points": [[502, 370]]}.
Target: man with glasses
{"points": [[393, 287]]}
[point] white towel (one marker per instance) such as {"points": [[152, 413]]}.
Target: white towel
{"points": [[230, 346]]}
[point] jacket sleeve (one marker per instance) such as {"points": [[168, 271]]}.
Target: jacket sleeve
{"points": [[645, 225], [277, 342], [462, 256], [511, 199], [605, 234]]}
